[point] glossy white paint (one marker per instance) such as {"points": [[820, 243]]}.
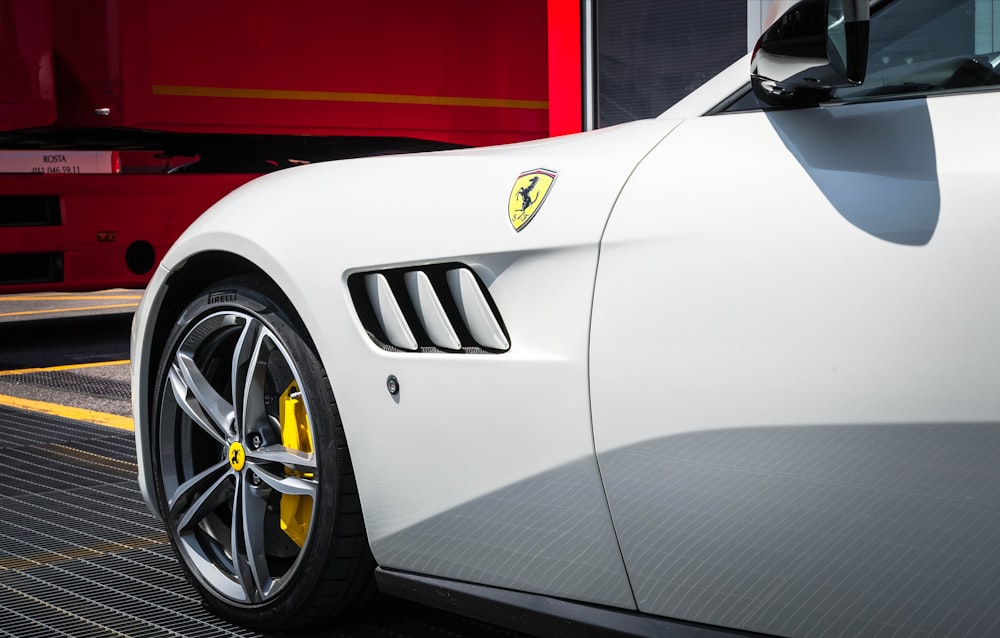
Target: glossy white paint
{"points": [[432, 315], [387, 311], [767, 292], [475, 310], [143, 377], [755, 296], [464, 426], [795, 363]]}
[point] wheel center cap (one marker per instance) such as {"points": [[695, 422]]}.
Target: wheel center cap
{"points": [[237, 456]]}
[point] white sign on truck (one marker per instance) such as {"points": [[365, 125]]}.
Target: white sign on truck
{"points": [[50, 162]]}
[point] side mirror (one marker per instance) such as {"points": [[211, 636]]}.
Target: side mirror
{"points": [[813, 48]]}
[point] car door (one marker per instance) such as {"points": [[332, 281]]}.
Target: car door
{"points": [[795, 364]]}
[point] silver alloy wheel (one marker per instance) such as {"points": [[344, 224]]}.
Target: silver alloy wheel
{"points": [[237, 465]]}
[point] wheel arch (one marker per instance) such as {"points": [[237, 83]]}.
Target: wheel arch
{"points": [[199, 272], [179, 288], [178, 302]]}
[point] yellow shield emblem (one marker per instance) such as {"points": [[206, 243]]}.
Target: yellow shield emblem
{"points": [[528, 195]]}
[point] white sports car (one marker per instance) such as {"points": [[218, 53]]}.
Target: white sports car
{"points": [[734, 367]]}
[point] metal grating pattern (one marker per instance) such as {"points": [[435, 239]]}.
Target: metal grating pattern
{"points": [[80, 383], [40, 453], [79, 554], [81, 557]]}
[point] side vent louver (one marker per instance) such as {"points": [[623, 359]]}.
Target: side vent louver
{"points": [[475, 310], [434, 308], [431, 313], [387, 311]]}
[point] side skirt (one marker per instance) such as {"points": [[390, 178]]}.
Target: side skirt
{"points": [[535, 614]]}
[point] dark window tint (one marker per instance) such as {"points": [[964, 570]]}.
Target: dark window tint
{"points": [[923, 46]]}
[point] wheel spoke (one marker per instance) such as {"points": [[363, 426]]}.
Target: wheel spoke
{"points": [[291, 485], [289, 457], [254, 510], [249, 372], [241, 569], [198, 483], [232, 375], [216, 494], [198, 398], [245, 576]]}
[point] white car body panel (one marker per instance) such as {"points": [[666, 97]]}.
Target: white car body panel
{"points": [[451, 440], [750, 321], [783, 382], [753, 358]]}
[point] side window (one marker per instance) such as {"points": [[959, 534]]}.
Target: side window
{"points": [[926, 46], [922, 47]]}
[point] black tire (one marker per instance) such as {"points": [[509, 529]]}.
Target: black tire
{"points": [[269, 475]]}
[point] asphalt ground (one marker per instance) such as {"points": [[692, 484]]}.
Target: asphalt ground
{"points": [[67, 354], [65, 400]]}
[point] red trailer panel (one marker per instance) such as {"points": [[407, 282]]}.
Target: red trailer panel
{"points": [[565, 67], [446, 70], [88, 232], [213, 88], [27, 89]]}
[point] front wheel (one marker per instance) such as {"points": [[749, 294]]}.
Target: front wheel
{"points": [[252, 470]]}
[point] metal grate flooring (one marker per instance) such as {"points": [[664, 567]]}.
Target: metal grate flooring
{"points": [[80, 555], [79, 383]]}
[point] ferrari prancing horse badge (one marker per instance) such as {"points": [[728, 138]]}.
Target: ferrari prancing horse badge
{"points": [[528, 195]]}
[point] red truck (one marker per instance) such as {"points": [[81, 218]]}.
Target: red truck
{"points": [[180, 101]]}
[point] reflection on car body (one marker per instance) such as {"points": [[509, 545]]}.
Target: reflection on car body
{"points": [[738, 374]]}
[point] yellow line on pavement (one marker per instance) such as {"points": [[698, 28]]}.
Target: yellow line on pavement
{"points": [[77, 414], [76, 309], [73, 366], [80, 297]]}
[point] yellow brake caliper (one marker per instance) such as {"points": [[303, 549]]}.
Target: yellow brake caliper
{"points": [[296, 510]]}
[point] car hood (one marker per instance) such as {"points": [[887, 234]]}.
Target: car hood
{"points": [[401, 209]]}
